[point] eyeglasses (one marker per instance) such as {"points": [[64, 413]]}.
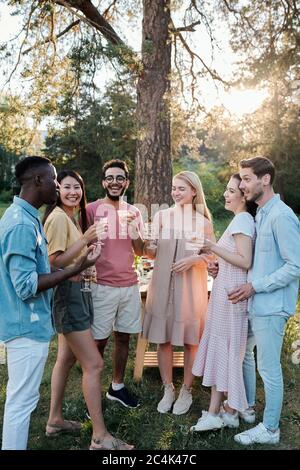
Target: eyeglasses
{"points": [[118, 179]]}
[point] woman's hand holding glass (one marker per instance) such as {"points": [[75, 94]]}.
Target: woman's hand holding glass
{"points": [[194, 242], [183, 265], [93, 235], [208, 245], [90, 234]]}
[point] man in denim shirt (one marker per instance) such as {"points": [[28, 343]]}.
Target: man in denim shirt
{"points": [[273, 290], [25, 298]]}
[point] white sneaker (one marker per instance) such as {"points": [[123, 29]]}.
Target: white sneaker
{"points": [[258, 435], [208, 422], [230, 420], [248, 415], [167, 400], [183, 402]]}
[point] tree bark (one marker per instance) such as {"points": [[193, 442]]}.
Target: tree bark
{"points": [[153, 166]]}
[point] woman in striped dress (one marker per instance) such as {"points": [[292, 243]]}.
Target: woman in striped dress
{"points": [[219, 359]]}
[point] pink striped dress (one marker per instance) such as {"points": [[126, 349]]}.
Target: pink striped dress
{"points": [[219, 359]]}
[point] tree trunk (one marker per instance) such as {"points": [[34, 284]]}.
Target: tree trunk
{"points": [[153, 166]]}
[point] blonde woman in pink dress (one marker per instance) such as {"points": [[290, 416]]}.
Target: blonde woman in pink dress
{"points": [[219, 359], [177, 295]]}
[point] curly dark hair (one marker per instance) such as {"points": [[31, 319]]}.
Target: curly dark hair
{"points": [[115, 163]]}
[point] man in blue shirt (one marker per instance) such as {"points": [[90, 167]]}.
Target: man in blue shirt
{"points": [[273, 289], [25, 295]]}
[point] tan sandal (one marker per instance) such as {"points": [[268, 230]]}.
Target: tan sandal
{"points": [[68, 426], [110, 444]]}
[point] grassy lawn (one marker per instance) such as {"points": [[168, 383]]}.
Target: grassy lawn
{"points": [[145, 427]]}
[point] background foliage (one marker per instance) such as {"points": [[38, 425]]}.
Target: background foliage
{"points": [[59, 59]]}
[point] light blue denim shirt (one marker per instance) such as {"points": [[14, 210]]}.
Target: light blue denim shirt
{"points": [[23, 256], [276, 266]]}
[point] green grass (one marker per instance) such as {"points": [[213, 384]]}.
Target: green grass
{"points": [[145, 427]]}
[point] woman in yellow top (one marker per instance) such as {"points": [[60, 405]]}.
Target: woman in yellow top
{"points": [[73, 313]]}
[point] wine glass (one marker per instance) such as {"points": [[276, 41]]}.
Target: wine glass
{"points": [[122, 215], [102, 224], [87, 277], [149, 235], [193, 242]]}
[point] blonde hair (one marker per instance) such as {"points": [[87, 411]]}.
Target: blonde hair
{"points": [[199, 203]]}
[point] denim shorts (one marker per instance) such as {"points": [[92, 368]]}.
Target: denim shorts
{"points": [[72, 308]]}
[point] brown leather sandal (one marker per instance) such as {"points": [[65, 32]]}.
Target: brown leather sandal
{"points": [[110, 443], [69, 426]]}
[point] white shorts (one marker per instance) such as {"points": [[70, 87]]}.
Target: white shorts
{"points": [[116, 309]]}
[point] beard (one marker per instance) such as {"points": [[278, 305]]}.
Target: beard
{"points": [[257, 193], [255, 196], [112, 197]]}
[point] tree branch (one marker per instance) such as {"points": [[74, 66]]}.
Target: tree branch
{"points": [[192, 55], [190, 28], [106, 12], [92, 17], [26, 27], [50, 37], [237, 12]]}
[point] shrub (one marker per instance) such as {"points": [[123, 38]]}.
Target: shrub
{"points": [[212, 185], [6, 196]]}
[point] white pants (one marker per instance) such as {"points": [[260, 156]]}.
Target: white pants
{"points": [[26, 360]]}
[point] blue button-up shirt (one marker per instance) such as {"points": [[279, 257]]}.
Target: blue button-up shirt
{"points": [[276, 265], [23, 256]]}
